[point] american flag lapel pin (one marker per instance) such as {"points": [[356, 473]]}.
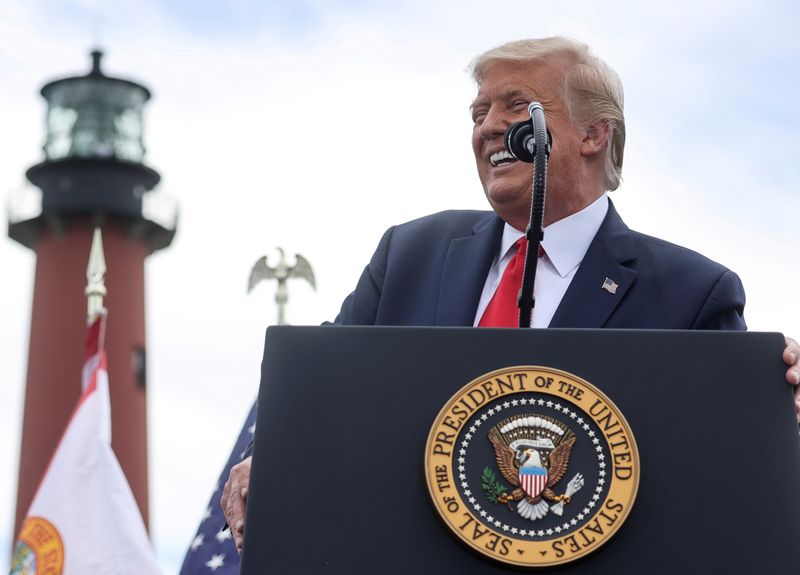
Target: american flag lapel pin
{"points": [[610, 286]]}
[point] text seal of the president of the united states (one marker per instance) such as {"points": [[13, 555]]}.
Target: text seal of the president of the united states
{"points": [[532, 466]]}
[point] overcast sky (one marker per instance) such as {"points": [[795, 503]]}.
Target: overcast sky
{"points": [[314, 125]]}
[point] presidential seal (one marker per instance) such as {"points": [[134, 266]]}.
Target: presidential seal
{"points": [[532, 466], [38, 550]]}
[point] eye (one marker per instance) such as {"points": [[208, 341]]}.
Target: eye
{"points": [[519, 105], [478, 116]]}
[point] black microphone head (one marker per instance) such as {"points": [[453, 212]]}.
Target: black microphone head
{"points": [[518, 138]]}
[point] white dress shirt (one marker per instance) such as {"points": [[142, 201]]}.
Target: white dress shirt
{"points": [[565, 243]]}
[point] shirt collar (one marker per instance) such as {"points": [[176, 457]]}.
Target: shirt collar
{"points": [[567, 240]]}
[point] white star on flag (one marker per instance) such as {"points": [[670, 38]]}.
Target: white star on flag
{"points": [[222, 535], [197, 542], [215, 562]]}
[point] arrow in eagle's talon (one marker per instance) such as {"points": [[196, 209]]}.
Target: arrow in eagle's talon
{"points": [[575, 485]]}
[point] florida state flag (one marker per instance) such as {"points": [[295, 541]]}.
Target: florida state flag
{"points": [[84, 518]]}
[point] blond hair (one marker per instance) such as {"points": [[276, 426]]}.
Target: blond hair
{"points": [[593, 91]]}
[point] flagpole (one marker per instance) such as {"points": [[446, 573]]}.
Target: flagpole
{"points": [[95, 277]]}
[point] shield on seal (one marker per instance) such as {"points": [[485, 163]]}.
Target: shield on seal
{"points": [[533, 480]]}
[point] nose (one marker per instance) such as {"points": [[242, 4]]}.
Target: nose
{"points": [[494, 124]]}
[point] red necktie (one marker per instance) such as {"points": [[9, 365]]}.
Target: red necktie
{"points": [[502, 310]]}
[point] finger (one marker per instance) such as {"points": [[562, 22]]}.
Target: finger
{"points": [[791, 356], [241, 485], [235, 523], [793, 376], [223, 500], [238, 540], [234, 509]]}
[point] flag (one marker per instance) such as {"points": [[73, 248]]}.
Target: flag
{"points": [[610, 286], [212, 551], [83, 518]]}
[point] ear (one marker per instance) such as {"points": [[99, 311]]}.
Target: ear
{"points": [[595, 139]]}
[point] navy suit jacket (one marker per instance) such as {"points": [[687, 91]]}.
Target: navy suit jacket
{"points": [[431, 271]]}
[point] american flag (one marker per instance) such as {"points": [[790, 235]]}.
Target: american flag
{"points": [[610, 285], [212, 550]]}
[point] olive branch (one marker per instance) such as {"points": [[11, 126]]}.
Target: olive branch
{"points": [[491, 486]]}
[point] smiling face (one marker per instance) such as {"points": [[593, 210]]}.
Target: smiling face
{"points": [[504, 93]]}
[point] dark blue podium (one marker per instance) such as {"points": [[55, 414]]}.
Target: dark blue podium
{"points": [[338, 482]]}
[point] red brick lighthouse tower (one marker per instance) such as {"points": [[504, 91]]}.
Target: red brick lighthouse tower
{"points": [[92, 174]]}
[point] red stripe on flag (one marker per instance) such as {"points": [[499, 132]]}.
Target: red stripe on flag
{"points": [[93, 337], [532, 484], [93, 348]]}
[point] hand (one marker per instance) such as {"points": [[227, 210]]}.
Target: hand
{"points": [[791, 356], [234, 499]]}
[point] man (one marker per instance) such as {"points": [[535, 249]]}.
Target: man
{"points": [[451, 268]]}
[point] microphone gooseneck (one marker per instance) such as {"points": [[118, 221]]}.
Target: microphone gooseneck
{"points": [[522, 141]]}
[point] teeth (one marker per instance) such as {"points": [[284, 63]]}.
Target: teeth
{"points": [[501, 157]]}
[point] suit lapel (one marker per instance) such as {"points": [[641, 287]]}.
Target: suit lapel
{"points": [[464, 272], [587, 303]]}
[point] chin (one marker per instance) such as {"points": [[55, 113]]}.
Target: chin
{"points": [[505, 197]]}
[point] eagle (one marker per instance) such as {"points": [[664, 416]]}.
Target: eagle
{"points": [[281, 272], [514, 465]]}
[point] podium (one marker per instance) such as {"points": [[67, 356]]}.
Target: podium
{"points": [[338, 479]]}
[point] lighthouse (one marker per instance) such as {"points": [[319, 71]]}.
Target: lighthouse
{"points": [[93, 174]]}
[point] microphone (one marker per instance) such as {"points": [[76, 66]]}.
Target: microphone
{"points": [[520, 139]]}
